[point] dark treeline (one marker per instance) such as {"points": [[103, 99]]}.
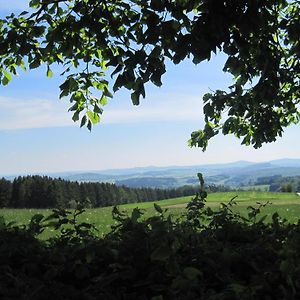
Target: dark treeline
{"points": [[46, 192]]}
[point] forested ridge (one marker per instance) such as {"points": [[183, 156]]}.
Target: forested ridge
{"points": [[46, 192]]}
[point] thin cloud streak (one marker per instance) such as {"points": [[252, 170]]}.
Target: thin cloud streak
{"points": [[163, 108], [43, 113], [36, 113]]}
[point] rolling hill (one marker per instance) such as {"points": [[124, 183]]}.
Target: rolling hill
{"points": [[232, 174]]}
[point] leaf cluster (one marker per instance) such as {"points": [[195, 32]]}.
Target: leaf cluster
{"points": [[131, 40]]}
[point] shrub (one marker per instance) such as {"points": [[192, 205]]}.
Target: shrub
{"points": [[204, 254]]}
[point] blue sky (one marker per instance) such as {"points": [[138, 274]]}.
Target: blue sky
{"points": [[38, 135]]}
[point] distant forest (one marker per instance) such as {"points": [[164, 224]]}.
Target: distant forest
{"points": [[278, 183], [47, 192]]}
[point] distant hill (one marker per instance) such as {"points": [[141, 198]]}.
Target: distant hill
{"points": [[286, 162], [91, 177], [154, 182], [232, 174]]}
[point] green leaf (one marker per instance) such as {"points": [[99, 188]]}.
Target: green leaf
{"points": [[103, 100], [49, 72], [117, 70], [120, 81], [97, 109], [158, 208], [93, 116], [136, 214], [83, 121], [75, 116], [107, 93], [7, 78], [23, 13], [37, 218], [135, 98], [60, 57], [34, 3], [73, 107], [35, 64], [89, 125]]}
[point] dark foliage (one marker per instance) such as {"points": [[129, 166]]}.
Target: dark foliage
{"points": [[44, 192], [203, 255]]}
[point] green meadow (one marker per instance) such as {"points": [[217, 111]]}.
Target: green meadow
{"points": [[286, 204]]}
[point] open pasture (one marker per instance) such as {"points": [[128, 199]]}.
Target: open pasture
{"points": [[286, 204]]}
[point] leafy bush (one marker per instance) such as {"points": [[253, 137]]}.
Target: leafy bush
{"points": [[204, 254]]}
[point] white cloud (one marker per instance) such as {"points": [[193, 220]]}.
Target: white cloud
{"points": [[160, 107], [41, 113], [32, 113]]}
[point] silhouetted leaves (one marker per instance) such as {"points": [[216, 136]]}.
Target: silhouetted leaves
{"points": [[131, 40], [222, 256]]}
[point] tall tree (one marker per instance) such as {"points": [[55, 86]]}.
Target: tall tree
{"points": [[5, 192], [18, 198], [130, 40]]}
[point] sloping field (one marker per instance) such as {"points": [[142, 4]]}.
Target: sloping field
{"points": [[214, 198], [286, 204]]}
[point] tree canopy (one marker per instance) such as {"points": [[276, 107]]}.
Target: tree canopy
{"points": [[131, 41]]}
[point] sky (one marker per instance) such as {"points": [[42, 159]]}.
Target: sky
{"points": [[38, 136]]}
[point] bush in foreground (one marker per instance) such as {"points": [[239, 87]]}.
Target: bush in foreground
{"points": [[204, 254]]}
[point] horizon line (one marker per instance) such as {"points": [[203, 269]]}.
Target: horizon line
{"points": [[49, 173]]}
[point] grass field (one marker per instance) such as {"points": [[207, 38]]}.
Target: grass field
{"points": [[286, 204], [260, 187]]}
